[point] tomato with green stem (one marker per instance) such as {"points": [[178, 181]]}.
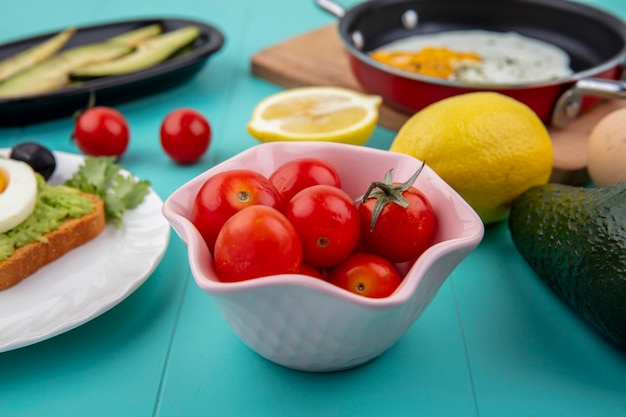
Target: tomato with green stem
{"points": [[101, 131], [397, 219]]}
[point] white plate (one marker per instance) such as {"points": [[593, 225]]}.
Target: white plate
{"points": [[88, 280]]}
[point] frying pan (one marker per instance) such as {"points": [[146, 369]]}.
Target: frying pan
{"points": [[595, 41]]}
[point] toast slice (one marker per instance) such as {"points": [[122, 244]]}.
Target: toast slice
{"points": [[70, 234]]}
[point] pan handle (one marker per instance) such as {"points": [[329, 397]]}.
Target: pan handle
{"points": [[568, 105], [331, 7]]}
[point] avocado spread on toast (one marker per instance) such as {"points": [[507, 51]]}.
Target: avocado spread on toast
{"points": [[54, 206], [99, 176]]}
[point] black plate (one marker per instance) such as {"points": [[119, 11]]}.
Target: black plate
{"points": [[108, 90]]}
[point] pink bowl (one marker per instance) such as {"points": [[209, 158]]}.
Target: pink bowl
{"points": [[308, 324]]}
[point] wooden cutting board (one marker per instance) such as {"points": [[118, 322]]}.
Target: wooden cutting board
{"points": [[318, 58]]}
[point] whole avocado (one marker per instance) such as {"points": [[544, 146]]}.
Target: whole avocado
{"points": [[574, 238]]}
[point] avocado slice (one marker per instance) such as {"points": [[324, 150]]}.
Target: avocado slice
{"points": [[148, 53], [53, 73], [574, 238], [135, 37], [35, 54]]}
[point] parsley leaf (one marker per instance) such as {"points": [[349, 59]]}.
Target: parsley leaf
{"points": [[102, 177]]}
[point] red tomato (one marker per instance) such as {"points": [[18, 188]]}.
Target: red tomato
{"points": [[255, 242], [400, 234], [327, 222], [298, 174], [185, 135], [311, 271], [226, 193], [101, 131], [366, 274]]}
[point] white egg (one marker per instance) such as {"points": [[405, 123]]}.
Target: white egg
{"points": [[606, 149], [507, 57], [17, 200]]}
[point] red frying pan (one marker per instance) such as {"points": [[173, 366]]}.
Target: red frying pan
{"points": [[594, 40]]}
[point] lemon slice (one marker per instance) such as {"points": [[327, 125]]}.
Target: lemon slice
{"points": [[315, 114]]}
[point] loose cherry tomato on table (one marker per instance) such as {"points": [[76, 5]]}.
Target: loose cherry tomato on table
{"points": [[366, 274], [101, 131], [185, 135], [226, 193], [327, 222], [255, 242], [397, 220], [298, 174]]}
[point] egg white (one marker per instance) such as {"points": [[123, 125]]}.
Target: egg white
{"points": [[18, 199], [508, 58]]}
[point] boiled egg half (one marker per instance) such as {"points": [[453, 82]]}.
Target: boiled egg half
{"points": [[18, 193]]}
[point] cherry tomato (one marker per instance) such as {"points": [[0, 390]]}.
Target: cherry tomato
{"points": [[298, 174], [311, 271], [399, 233], [226, 193], [255, 242], [327, 222], [185, 135], [366, 274], [101, 131]]}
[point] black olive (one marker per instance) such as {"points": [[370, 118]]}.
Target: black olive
{"points": [[37, 156]]}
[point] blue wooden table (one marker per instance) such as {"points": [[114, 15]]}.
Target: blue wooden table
{"points": [[495, 342]]}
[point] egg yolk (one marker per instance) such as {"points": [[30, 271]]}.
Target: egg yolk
{"points": [[431, 61], [4, 180]]}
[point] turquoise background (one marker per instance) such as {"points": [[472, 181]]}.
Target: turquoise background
{"points": [[495, 341]]}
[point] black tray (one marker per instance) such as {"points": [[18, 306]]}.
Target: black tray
{"points": [[108, 90]]}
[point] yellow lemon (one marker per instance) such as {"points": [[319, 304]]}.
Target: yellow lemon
{"points": [[315, 113], [489, 147]]}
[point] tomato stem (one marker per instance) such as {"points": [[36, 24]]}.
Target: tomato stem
{"points": [[323, 241], [90, 104], [387, 192], [243, 197]]}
